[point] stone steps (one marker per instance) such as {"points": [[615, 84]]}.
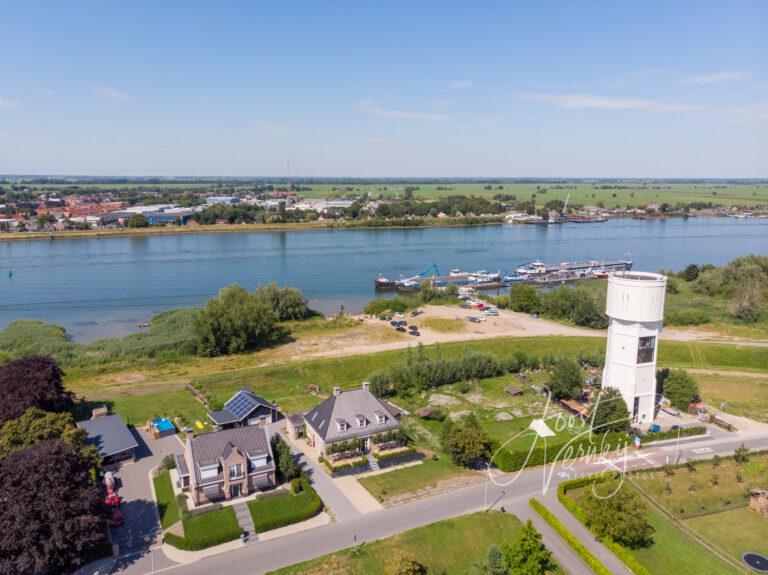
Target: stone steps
{"points": [[244, 519], [373, 462]]}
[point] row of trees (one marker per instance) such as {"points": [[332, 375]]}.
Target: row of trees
{"points": [[52, 519], [237, 320]]}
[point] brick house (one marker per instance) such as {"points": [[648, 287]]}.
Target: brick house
{"points": [[349, 415], [226, 464]]}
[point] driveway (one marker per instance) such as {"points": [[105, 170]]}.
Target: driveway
{"points": [[138, 506]]}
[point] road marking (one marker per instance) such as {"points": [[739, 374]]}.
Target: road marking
{"points": [[701, 450]]}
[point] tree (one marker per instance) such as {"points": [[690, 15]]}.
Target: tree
{"points": [[137, 221], [52, 516], [36, 425], [566, 381], [493, 563], [286, 464], [404, 563], [288, 303], [524, 298], [677, 386], [465, 442], [527, 555], [33, 381], [690, 273], [614, 510], [609, 412], [234, 321], [747, 302]]}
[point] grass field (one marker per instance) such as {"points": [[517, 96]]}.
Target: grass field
{"points": [[744, 395], [444, 325], [166, 500], [449, 546], [672, 551], [137, 409], [281, 510], [734, 532], [426, 475], [211, 529]]}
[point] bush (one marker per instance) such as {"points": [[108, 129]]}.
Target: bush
{"points": [[674, 433], [566, 381], [677, 386], [524, 298], [274, 512], [288, 303], [385, 456], [689, 316], [169, 462]]}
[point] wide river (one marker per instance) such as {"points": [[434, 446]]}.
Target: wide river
{"points": [[103, 287]]}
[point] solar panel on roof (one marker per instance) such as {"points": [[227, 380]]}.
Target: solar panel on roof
{"points": [[240, 405]]}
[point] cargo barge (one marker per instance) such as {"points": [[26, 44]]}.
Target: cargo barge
{"points": [[538, 268]]}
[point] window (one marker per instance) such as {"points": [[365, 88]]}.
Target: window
{"points": [[645, 348], [361, 421], [209, 471], [236, 471], [343, 425], [259, 461], [380, 418]]}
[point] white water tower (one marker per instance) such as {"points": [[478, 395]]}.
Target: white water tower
{"points": [[635, 309]]}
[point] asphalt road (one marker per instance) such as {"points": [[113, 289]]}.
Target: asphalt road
{"points": [[514, 492]]}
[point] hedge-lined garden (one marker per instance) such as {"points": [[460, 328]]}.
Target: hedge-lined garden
{"points": [[207, 530], [274, 512]]}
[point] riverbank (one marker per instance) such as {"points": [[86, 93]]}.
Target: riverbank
{"points": [[238, 228]]}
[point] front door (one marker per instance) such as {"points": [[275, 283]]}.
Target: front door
{"points": [[235, 489]]}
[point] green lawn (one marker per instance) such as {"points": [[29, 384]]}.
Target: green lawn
{"points": [[672, 551], [719, 529], [137, 409], [166, 500], [449, 546], [279, 511], [410, 479], [210, 529]]}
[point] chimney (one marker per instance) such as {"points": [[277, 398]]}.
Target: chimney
{"points": [[336, 390], [365, 386]]}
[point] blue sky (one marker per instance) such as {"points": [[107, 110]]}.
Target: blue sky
{"points": [[582, 89]]}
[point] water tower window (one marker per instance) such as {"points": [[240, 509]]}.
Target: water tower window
{"points": [[645, 349]]}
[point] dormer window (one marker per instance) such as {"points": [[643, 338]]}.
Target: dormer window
{"points": [[342, 425], [361, 421], [380, 417]]}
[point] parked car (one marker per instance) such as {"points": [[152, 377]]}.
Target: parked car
{"points": [[112, 500], [413, 327], [394, 323], [465, 306], [534, 315], [116, 519], [399, 314], [385, 317], [476, 319], [416, 312], [491, 312], [401, 328], [414, 333]]}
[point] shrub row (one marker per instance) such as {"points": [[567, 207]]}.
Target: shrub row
{"points": [[393, 454], [674, 433], [357, 463], [621, 552], [591, 561], [507, 461], [285, 509]]}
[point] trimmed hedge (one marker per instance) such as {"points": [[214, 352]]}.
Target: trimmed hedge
{"points": [[207, 530], [621, 552], [673, 433], [591, 561], [507, 461], [285, 509], [385, 456], [333, 468]]}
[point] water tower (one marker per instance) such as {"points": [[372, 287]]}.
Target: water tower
{"points": [[635, 309]]}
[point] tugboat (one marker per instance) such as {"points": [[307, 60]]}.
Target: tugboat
{"points": [[385, 283]]}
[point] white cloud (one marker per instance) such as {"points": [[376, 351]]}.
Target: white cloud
{"points": [[5, 103], [714, 77], [113, 94], [371, 108], [461, 84], [596, 102]]}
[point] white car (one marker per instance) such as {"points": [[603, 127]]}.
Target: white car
{"points": [[492, 312], [399, 314]]}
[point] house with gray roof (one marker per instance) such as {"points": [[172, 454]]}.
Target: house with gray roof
{"points": [[111, 436], [226, 464], [245, 408], [349, 415]]}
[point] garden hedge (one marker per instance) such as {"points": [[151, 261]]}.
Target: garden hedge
{"points": [[207, 530], [283, 510], [393, 454]]}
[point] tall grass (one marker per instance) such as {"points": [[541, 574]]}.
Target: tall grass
{"points": [[170, 337]]}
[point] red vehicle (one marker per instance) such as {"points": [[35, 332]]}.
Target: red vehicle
{"points": [[116, 519], [112, 500]]}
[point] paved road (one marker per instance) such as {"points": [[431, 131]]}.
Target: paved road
{"points": [[288, 550]]}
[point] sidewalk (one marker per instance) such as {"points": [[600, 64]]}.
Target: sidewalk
{"points": [[584, 535]]}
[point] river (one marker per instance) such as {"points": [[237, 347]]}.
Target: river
{"points": [[103, 287]]}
